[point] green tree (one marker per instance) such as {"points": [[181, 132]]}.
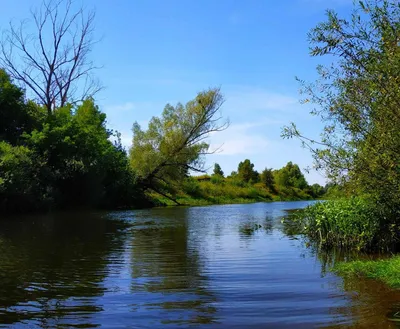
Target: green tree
{"points": [[233, 174], [267, 178], [16, 116], [217, 170], [20, 188], [68, 161], [290, 176], [317, 190], [246, 172], [358, 97], [175, 143], [82, 165]]}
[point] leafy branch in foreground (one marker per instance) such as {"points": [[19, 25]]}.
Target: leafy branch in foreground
{"points": [[358, 99]]}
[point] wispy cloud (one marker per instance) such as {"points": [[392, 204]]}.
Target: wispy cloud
{"points": [[240, 139], [246, 98]]}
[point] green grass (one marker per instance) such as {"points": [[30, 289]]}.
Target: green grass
{"points": [[350, 223], [219, 190], [190, 201], [386, 270]]}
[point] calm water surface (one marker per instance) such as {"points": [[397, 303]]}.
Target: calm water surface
{"points": [[228, 266]]}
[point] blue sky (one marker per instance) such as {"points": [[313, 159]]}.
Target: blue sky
{"points": [[155, 52]]}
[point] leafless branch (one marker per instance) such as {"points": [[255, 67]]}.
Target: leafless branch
{"points": [[53, 63]]}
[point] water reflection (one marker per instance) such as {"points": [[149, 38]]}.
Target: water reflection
{"points": [[52, 267], [230, 266], [166, 262], [370, 304]]}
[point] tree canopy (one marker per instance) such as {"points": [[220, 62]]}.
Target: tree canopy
{"points": [[217, 170], [246, 171], [267, 178], [291, 176], [65, 159], [175, 143]]}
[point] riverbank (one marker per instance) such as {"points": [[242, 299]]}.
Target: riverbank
{"points": [[385, 270], [354, 223], [209, 191]]}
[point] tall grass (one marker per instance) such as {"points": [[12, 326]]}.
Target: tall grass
{"points": [[205, 190], [351, 223], [385, 270]]}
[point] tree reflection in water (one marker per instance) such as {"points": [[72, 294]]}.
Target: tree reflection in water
{"points": [[166, 263], [52, 267]]}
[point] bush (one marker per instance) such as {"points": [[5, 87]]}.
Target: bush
{"points": [[192, 187], [351, 223], [217, 179]]}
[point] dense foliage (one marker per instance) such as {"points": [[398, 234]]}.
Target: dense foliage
{"points": [[236, 188], [60, 159], [175, 143], [345, 223], [358, 98], [246, 172], [66, 158]]}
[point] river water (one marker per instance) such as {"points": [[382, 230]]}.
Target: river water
{"points": [[229, 266]]}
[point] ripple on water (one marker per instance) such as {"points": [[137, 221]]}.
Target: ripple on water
{"points": [[225, 266]]}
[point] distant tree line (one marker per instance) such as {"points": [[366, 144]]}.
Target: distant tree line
{"points": [[290, 176]]}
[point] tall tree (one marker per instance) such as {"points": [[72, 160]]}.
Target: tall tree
{"points": [[291, 176], [218, 170], [175, 143], [358, 97], [52, 63], [246, 171], [267, 178]]}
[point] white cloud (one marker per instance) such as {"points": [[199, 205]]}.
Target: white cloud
{"points": [[239, 139], [245, 145], [245, 98]]}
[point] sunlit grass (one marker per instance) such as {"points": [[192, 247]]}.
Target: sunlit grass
{"points": [[197, 192], [386, 270], [349, 223]]}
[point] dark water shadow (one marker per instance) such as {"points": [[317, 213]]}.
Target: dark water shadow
{"points": [[52, 266]]}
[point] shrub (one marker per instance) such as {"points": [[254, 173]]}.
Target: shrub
{"points": [[217, 179], [192, 187], [351, 223]]}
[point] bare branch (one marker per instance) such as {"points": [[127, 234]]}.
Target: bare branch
{"points": [[53, 63]]}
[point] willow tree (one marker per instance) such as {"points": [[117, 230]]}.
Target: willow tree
{"points": [[48, 54], [358, 98], [175, 143]]}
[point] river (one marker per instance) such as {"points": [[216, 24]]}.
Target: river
{"points": [[226, 266]]}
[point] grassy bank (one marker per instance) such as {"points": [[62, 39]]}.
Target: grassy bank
{"points": [[353, 223], [386, 270], [344, 223], [206, 190]]}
